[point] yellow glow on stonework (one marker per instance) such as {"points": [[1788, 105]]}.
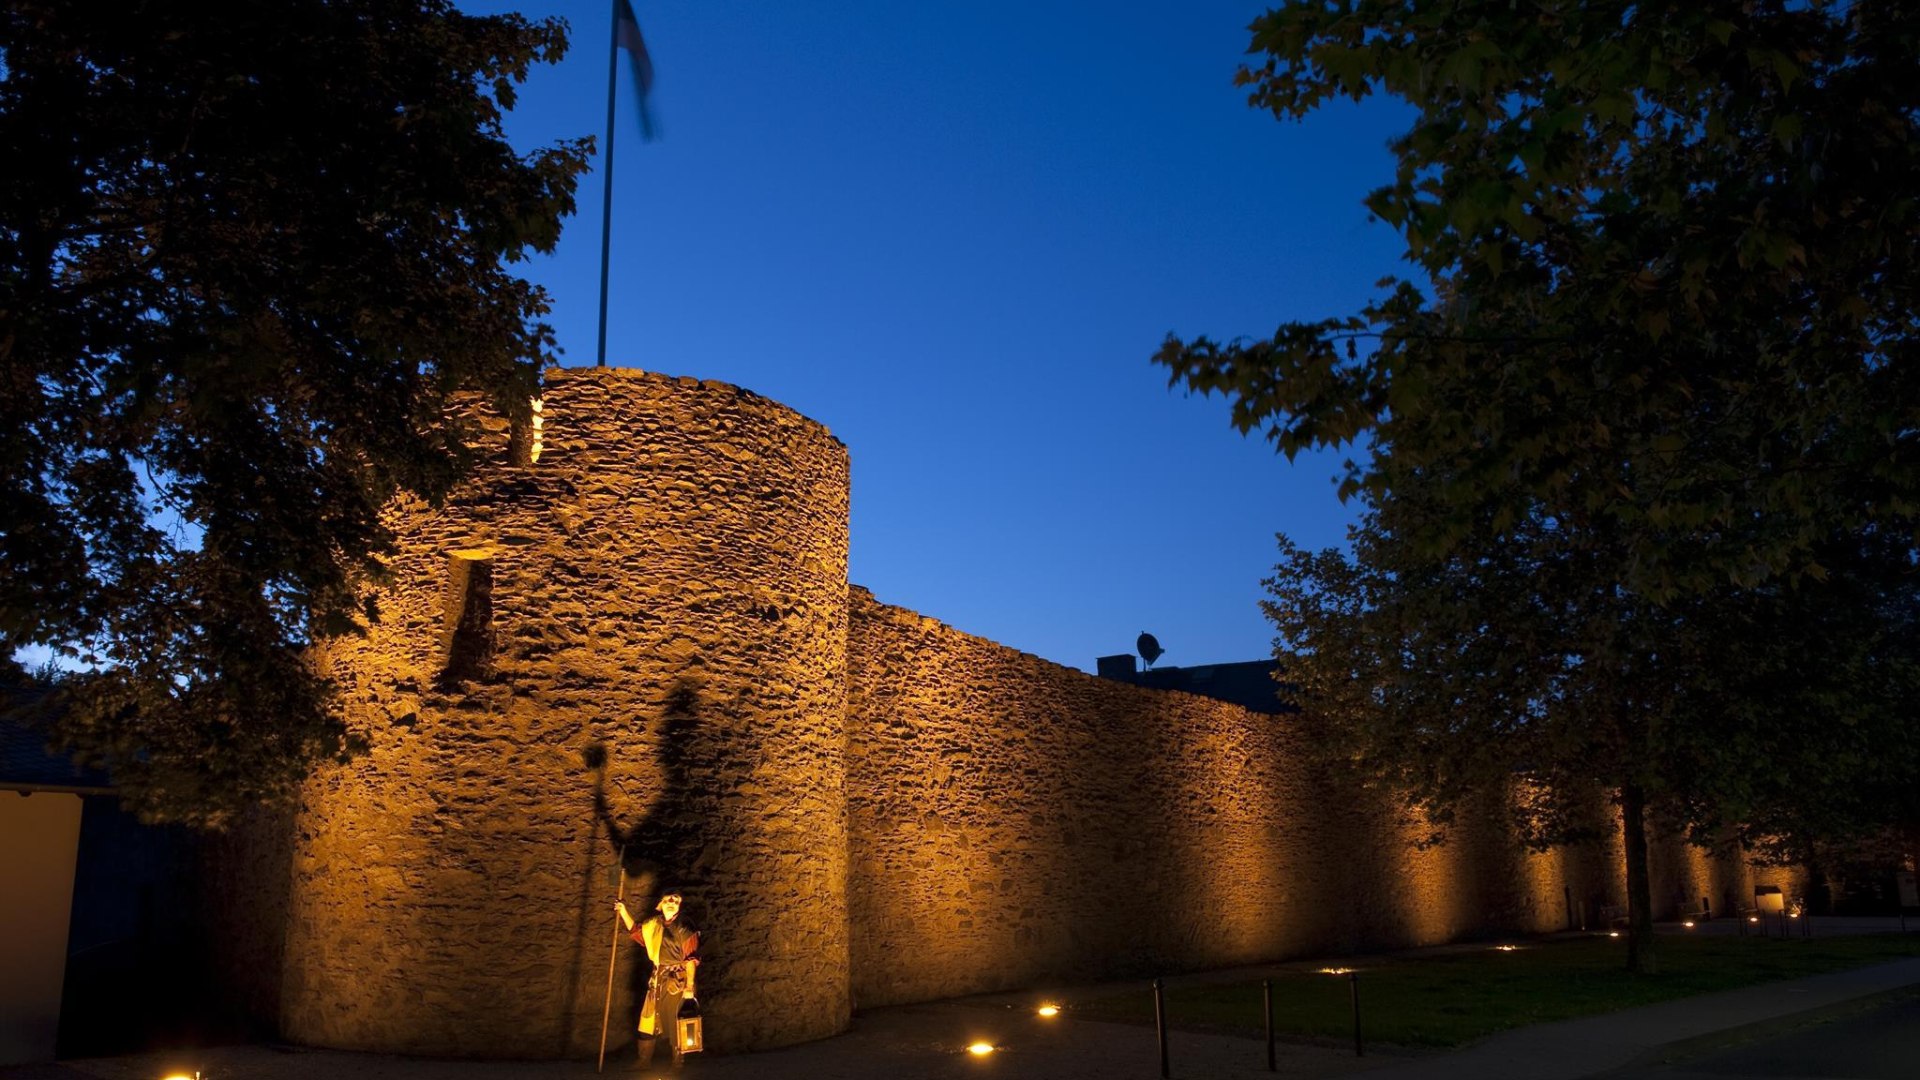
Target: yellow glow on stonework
{"points": [[539, 422], [1049, 1010], [1432, 897], [980, 1049], [1544, 874], [1700, 871]]}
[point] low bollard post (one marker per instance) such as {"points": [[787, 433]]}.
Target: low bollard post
{"points": [[1266, 992], [1160, 1025], [1353, 982]]}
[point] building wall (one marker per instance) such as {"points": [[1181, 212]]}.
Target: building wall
{"points": [[1015, 822], [40, 834], [641, 639], [643, 642], [244, 911], [138, 970], [1012, 820]]}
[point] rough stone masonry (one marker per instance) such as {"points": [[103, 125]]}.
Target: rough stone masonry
{"points": [[644, 636]]}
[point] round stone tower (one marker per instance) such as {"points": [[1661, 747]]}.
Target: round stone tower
{"points": [[630, 636]]}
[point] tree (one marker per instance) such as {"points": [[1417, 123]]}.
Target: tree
{"points": [[249, 253], [1660, 363], [1780, 714], [1837, 666]]}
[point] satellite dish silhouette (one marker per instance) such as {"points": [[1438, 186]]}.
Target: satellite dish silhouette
{"points": [[1150, 649]]}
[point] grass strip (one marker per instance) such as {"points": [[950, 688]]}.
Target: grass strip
{"points": [[1448, 999]]}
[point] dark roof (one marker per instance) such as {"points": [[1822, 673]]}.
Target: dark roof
{"points": [[1248, 684], [25, 761]]}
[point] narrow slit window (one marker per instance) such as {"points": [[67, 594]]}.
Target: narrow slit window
{"points": [[526, 439], [466, 645]]}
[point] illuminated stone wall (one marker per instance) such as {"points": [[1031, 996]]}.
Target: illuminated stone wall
{"points": [[647, 637], [1014, 822], [667, 584]]}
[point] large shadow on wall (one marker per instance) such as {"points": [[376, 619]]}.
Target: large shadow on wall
{"points": [[662, 847]]}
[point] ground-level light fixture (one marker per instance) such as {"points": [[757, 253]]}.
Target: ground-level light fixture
{"points": [[1336, 971], [1613, 933], [1049, 1009], [1688, 924], [981, 1049], [1506, 948]]}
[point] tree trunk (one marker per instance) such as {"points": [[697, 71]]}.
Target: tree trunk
{"points": [[1633, 834]]}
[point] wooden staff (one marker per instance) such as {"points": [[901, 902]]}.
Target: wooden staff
{"points": [[606, 1013]]}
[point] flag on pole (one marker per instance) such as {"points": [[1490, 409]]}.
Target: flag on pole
{"points": [[626, 35]]}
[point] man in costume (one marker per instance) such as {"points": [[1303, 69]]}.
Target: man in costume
{"points": [[670, 946]]}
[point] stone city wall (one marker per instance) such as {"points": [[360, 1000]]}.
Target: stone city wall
{"points": [[642, 637], [644, 640], [1014, 822]]}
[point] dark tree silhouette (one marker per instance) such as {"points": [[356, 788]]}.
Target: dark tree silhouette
{"points": [[246, 254], [1657, 371]]}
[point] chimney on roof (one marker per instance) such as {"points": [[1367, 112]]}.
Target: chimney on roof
{"points": [[1119, 667]]}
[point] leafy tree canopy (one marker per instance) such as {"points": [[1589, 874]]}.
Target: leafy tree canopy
{"points": [[1649, 411], [1679, 244], [246, 254]]}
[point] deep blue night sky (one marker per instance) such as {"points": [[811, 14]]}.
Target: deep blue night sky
{"points": [[954, 232]]}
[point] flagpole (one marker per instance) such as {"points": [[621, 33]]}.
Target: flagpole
{"points": [[606, 161]]}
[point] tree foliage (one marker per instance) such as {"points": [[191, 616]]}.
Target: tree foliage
{"points": [[1779, 714], [249, 251], [1651, 396]]}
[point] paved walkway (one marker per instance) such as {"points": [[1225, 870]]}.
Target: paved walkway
{"points": [[930, 1041], [1601, 1044], [1875, 1039]]}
